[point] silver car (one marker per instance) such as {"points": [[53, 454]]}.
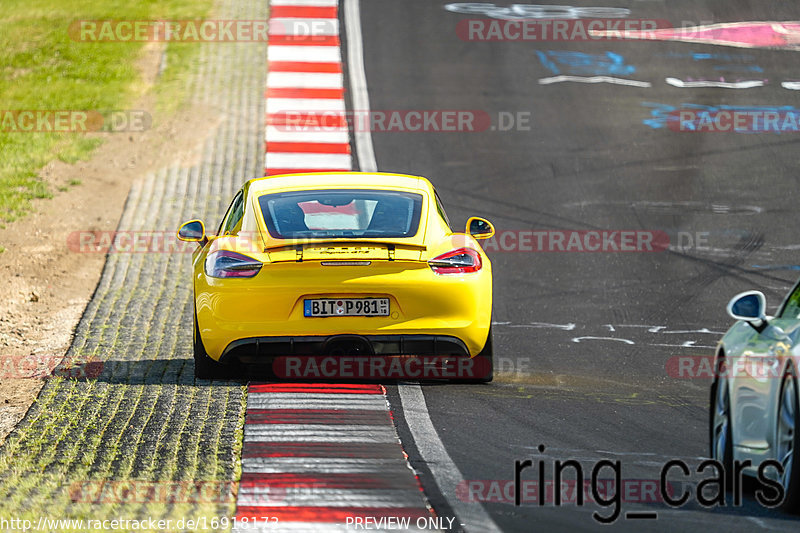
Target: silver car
{"points": [[755, 414]]}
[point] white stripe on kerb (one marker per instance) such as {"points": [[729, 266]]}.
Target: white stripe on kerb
{"points": [[329, 497], [388, 467], [285, 134], [305, 80], [304, 27], [303, 105], [314, 54], [305, 3], [308, 160], [292, 464], [318, 433]]}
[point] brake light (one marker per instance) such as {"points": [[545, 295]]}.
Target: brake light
{"points": [[461, 261], [227, 264]]}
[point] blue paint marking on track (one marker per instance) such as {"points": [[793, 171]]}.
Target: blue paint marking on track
{"points": [[662, 115], [777, 267], [582, 64]]}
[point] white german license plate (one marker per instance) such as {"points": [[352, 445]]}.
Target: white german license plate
{"points": [[346, 307]]}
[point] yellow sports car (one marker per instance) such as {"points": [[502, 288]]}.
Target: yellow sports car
{"points": [[337, 265]]}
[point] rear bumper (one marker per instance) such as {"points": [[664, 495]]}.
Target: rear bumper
{"points": [[428, 312], [262, 349]]}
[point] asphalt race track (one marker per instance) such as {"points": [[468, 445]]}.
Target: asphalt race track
{"points": [[583, 339]]}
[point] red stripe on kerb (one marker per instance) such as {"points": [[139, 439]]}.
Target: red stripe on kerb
{"points": [[299, 121], [304, 40], [311, 148], [317, 388], [279, 171], [350, 450], [329, 514], [303, 66], [311, 12], [298, 92], [317, 416]]}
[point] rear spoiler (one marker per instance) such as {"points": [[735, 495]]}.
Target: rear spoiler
{"points": [[300, 246]]}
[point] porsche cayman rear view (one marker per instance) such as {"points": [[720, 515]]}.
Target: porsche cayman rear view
{"points": [[340, 265]]}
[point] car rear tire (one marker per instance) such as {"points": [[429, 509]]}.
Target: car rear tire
{"points": [[204, 366], [787, 440], [484, 361], [720, 425]]}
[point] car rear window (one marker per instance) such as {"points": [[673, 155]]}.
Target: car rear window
{"points": [[341, 213]]}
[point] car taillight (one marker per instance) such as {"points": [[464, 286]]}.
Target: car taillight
{"points": [[226, 264], [461, 261]]}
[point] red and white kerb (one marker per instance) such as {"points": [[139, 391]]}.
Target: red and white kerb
{"points": [[304, 85], [324, 458]]}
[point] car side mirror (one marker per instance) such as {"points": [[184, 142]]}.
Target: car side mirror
{"points": [[479, 228], [193, 231], [749, 307]]}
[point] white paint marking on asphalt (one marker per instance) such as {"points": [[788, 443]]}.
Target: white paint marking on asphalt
{"points": [[591, 338], [358, 84], [687, 344], [760, 523], [791, 85], [415, 410], [564, 327], [447, 475], [747, 84], [594, 79]]}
